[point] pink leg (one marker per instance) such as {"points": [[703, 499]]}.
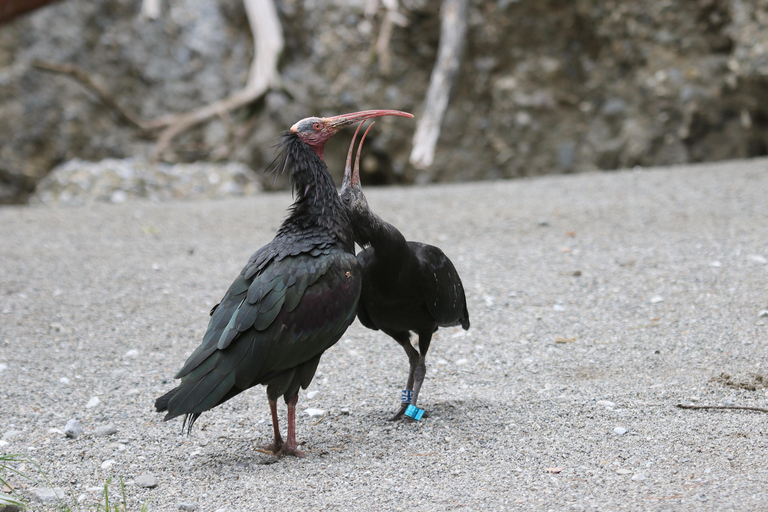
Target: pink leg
{"points": [[290, 447], [277, 445]]}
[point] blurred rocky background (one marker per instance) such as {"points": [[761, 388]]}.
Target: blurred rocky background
{"points": [[544, 86]]}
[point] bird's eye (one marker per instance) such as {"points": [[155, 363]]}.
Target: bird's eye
{"points": [[317, 126]]}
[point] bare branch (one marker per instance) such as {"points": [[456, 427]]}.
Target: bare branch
{"points": [[150, 9], [263, 75], [732, 407], [83, 78], [453, 31]]}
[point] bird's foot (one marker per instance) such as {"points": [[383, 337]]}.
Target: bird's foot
{"points": [[271, 448], [291, 450], [399, 413]]}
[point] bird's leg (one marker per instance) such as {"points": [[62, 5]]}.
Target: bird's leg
{"points": [[413, 359], [277, 445], [290, 447], [421, 371]]}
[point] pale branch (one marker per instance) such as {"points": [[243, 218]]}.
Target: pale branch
{"points": [[86, 80], [453, 31], [390, 18], [150, 9], [727, 407], [263, 75]]}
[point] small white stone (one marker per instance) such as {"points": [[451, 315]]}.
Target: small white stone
{"points": [[73, 429], [3, 443], [460, 362], [345, 410], [48, 495], [714, 264], [3, 367], [763, 313], [55, 430], [312, 394], [620, 431], [637, 477], [106, 430], [758, 259], [132, 354], [107, 464], [11, 435], [656, 299], [314, 413], [605, 403], [64, 380], [118, 197], [93, 402], [558, 307], [623, 471], [146, 480]]}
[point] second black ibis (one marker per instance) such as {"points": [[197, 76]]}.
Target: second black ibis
{"points": [[407, 286]]}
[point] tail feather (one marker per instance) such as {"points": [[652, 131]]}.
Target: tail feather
{"points": [[161, 404]]}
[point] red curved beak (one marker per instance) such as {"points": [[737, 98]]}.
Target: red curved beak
{"points": [[336, 123], [352, 176]]}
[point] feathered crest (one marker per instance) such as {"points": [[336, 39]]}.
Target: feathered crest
{"points": [[294, 154]]}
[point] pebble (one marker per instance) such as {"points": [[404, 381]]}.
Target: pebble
{"points": [[763, 313], [107, 464], [73, 429], [605, 403], [64, 380], [715, 264], [620, 431], [558, 307], [313, 413], [758, 259], [49, 495], [3, 444], [146, 480], [345, 410], [132, 354], [189, 507], [106, 430], [3, 367], [11, 435], [93, 402], [460, 362], [623, 471], [637, 477], [656, 299], [312, 394]]}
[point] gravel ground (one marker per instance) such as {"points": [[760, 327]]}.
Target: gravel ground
{"points": [[598, 303]]}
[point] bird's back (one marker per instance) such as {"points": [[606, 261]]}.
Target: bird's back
{"points": [[424, 289]]}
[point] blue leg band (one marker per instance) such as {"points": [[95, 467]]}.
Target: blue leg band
{"points": [[414, 412]]}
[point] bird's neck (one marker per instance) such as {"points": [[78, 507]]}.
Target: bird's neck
{"points": [[317, 208], [386, 239]]}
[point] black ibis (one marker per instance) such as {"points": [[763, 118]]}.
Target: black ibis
{"points": [[407, 286], [292, 301]]}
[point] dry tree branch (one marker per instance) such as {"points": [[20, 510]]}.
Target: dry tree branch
{"points": [[453, 31], [150, 9], [730, 407], [268, 45], [263, 75], [83, 78]]}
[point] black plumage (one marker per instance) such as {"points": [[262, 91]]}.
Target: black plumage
{"points": [[407, 286], [291, 302]]}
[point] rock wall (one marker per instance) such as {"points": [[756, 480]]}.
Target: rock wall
{"points": [[545, 86]]}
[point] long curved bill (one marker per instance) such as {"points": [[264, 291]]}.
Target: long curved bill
{"points": [[352, 176], [341, 121]]}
